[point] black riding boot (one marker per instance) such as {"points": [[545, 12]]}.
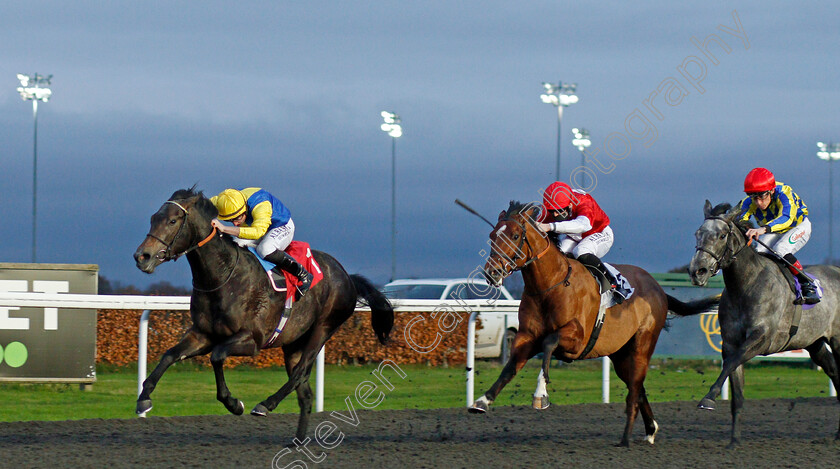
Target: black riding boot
{"points": [[809, 290], [286, 262], [619, 294]]}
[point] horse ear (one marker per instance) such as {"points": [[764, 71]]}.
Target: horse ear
{"points": [[707, 209], [503, 215]]}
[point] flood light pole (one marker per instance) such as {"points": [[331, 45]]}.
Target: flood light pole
{"points": [[560, 95], [34, 88], [393, 128], [830, 152], [582, 142]]}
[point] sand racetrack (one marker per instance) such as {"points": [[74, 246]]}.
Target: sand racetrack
{"points": [[777, 433]]}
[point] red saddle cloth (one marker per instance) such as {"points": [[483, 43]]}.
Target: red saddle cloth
{"points": [[301, 252]]}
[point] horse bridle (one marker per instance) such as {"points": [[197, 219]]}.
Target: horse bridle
{"points": [[719, 258], [167, 253], [522, 241]]}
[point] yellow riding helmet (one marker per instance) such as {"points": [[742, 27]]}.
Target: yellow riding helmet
{"points": [[231, 204]]}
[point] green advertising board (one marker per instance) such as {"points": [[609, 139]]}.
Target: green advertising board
{"points": [[48, 344]]}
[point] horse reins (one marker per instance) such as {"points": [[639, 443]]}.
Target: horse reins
{"points": [[167, 253], [524, 240]]}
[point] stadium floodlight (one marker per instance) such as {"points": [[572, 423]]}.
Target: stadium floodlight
{"points": [[830, 152], [392, 127], [34, 88], [560, 95]]}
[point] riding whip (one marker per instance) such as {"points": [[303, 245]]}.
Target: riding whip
{"points": [[469, 209], [778, 256]]}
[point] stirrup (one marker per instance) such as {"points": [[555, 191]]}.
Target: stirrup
{"points": [[809, 294]]}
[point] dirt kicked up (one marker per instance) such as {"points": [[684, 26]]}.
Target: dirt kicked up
{"points": [[776, 433]]}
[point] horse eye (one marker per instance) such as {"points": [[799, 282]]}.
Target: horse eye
{"points": [[516, 236], [723, 236], [172, 221]]}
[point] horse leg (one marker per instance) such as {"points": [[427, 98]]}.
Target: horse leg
{"points": [[299, 374], [736, 379], [830, 363], [651, 427], [540, 401], [631, 367], [192, 344], [523, 349], [304, 392], [732, 359], [241, 344]]}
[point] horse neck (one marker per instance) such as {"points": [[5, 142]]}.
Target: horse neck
{"points": [[211, 263], [547, 270], [741, 272]]}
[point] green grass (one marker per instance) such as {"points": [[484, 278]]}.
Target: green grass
{"points": [[188, 389]]}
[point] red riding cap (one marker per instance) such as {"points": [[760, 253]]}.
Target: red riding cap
{"points": [[759, 180], [557, 196]]}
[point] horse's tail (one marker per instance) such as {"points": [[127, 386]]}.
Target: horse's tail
{"points": [[381, 311], [704, 305]]}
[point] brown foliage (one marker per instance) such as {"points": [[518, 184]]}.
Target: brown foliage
{"points": [[353, 343]]}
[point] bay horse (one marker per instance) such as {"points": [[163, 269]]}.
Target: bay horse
{"points": [[757, 315], [234, 309], [559, 309]]}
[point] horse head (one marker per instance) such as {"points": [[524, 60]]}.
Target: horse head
{"points": [[181, 223], [719, 239], [511, 241]]}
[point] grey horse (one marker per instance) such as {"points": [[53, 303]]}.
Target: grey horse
{"points": [[757, 315]]}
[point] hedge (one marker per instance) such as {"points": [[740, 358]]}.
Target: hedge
{"points": [[353, 343]]}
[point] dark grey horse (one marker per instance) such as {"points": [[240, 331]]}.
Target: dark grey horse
{"points": [[756, 308]]}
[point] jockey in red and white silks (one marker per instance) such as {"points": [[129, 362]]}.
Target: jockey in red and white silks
{"points": [[575, 214]]}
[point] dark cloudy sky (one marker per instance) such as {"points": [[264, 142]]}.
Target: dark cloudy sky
{"points": [[151, 97]]}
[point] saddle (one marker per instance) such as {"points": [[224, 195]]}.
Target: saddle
{"points": [[795, 287], [287, 282], [600, 277]]}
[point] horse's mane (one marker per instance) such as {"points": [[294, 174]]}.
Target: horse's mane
{"points": [[721, 209], [725, 209], [202, 203], [518, 208]]}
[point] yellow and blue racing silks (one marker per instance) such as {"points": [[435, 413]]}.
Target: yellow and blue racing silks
{"points": [[786, 210]]}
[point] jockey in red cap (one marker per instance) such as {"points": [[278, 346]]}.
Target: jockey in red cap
{"points": [[586, 228], [783, 224]]}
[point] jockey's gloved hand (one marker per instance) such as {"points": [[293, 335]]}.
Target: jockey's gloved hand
{"points": [[545, 227]]}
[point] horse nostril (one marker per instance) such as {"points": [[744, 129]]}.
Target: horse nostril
{"points": [[702, 271], [141, 257]]}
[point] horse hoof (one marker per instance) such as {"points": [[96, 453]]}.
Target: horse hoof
{"points": [[259, 410], [239, 409], [477, 408], [143, 406], [540, 403], [650, 438], [706, 404]]}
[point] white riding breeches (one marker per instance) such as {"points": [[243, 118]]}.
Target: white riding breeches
{"points": [[598, 244], [276, 239], [788, 242]]}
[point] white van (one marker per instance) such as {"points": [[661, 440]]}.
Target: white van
{"points": [[489, 339]]}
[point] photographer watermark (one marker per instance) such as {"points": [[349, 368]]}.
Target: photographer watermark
{"points": [[671, 91]]}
